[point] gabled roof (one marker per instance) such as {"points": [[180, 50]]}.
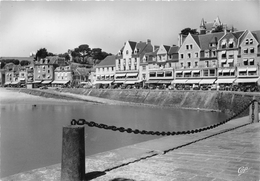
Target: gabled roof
{"points": [[256, 34], [140, 46], [108, 61], [206, 39], [196, 38], [132, 45], [173, 49], [237, 34], [242, 37], [167, 48]]}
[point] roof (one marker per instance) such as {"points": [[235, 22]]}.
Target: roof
{"points": [[237, 34], [173, 49], [18, 58], [196, 38], [132, 45], [206, 39], [108, 61], [81, 71], [167, 48], [256, 35], [141, 46]]}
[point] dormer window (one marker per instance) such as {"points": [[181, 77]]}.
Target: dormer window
{"points": [[251, 41], [223, 44], [231, 43], [127, 52]]}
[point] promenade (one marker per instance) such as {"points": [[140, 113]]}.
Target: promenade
{"points": [[228, 152]]}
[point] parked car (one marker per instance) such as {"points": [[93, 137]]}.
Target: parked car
{"points": [[205, 87], [196, 87], [187, 87], [44, 87]]}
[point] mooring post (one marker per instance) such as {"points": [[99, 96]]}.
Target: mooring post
{"points": [[73, 153], [253, 112]]}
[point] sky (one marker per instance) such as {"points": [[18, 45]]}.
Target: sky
{"points": [[27, 26]]}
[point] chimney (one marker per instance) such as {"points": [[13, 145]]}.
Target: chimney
{"points": [[148, 41]]}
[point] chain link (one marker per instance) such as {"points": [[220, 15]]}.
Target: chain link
{"points": [[163, 133]]}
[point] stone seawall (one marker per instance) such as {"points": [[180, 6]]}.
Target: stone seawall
{"points": [[227, 102]]}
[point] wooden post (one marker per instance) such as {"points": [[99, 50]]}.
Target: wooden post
{"points": [[253, 113], [73, 153]]}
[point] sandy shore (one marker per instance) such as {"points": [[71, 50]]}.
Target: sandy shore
{"points": [[16, 97]]}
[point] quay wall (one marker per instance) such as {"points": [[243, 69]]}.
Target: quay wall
{"points": [[226, 102]]}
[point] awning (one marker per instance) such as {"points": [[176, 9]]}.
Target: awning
{"points": [[232, 70], [242, 70], [130, 82], [14, 83], [178, 72], [102, 82], [60, 82], [251, 60], [196, 71], [246, 80], [131, 74], [7, 83], [187, 71], [251, 69], [219, 71], [46, 82], [193, 81], [119, 81], [120, 75], [79, 83], [179, 81], [225, 81], [226, 70], [223, 61], [207, 81], [21, 79], [37, 82], [152, 81], [165, 81], [230, 61]]}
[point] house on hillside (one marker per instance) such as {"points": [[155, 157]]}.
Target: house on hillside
{"points": [[105, 71]]}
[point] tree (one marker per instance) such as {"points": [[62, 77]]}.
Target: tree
{"points": [[98, 55], [83, 51], [218, 29], [186, 31], [43, 53], [24, 62]]}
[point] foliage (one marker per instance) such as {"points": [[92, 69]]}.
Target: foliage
{"points": [[24, 62], [218, 29], [6, 61], [43, 53], [186, 31]]}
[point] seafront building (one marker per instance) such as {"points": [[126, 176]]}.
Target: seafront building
{"points": [[217, 55]]}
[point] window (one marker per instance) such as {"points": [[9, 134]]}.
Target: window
{"points": [[247, 41], [231, 44], [231, 56], [112, 68], [245, 62], [205, 73], [181, 64], [189, 65], [119, 61], [189, 55], [245, 51], [181, 56], [213, 53], [224, 55], [252, 50], [195, 64], [127, 52], [207, 63], [190, 46], [187, 47], [251, 61], [196, 55], [48, 71], [211, 72], [251, 41], [206, 54], [223, 44]]}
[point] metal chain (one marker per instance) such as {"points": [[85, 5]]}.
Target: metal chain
{"points": [[253, 109], [163, 133]]}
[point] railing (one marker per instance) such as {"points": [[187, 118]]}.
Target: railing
{"points": [[73, 142]]}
